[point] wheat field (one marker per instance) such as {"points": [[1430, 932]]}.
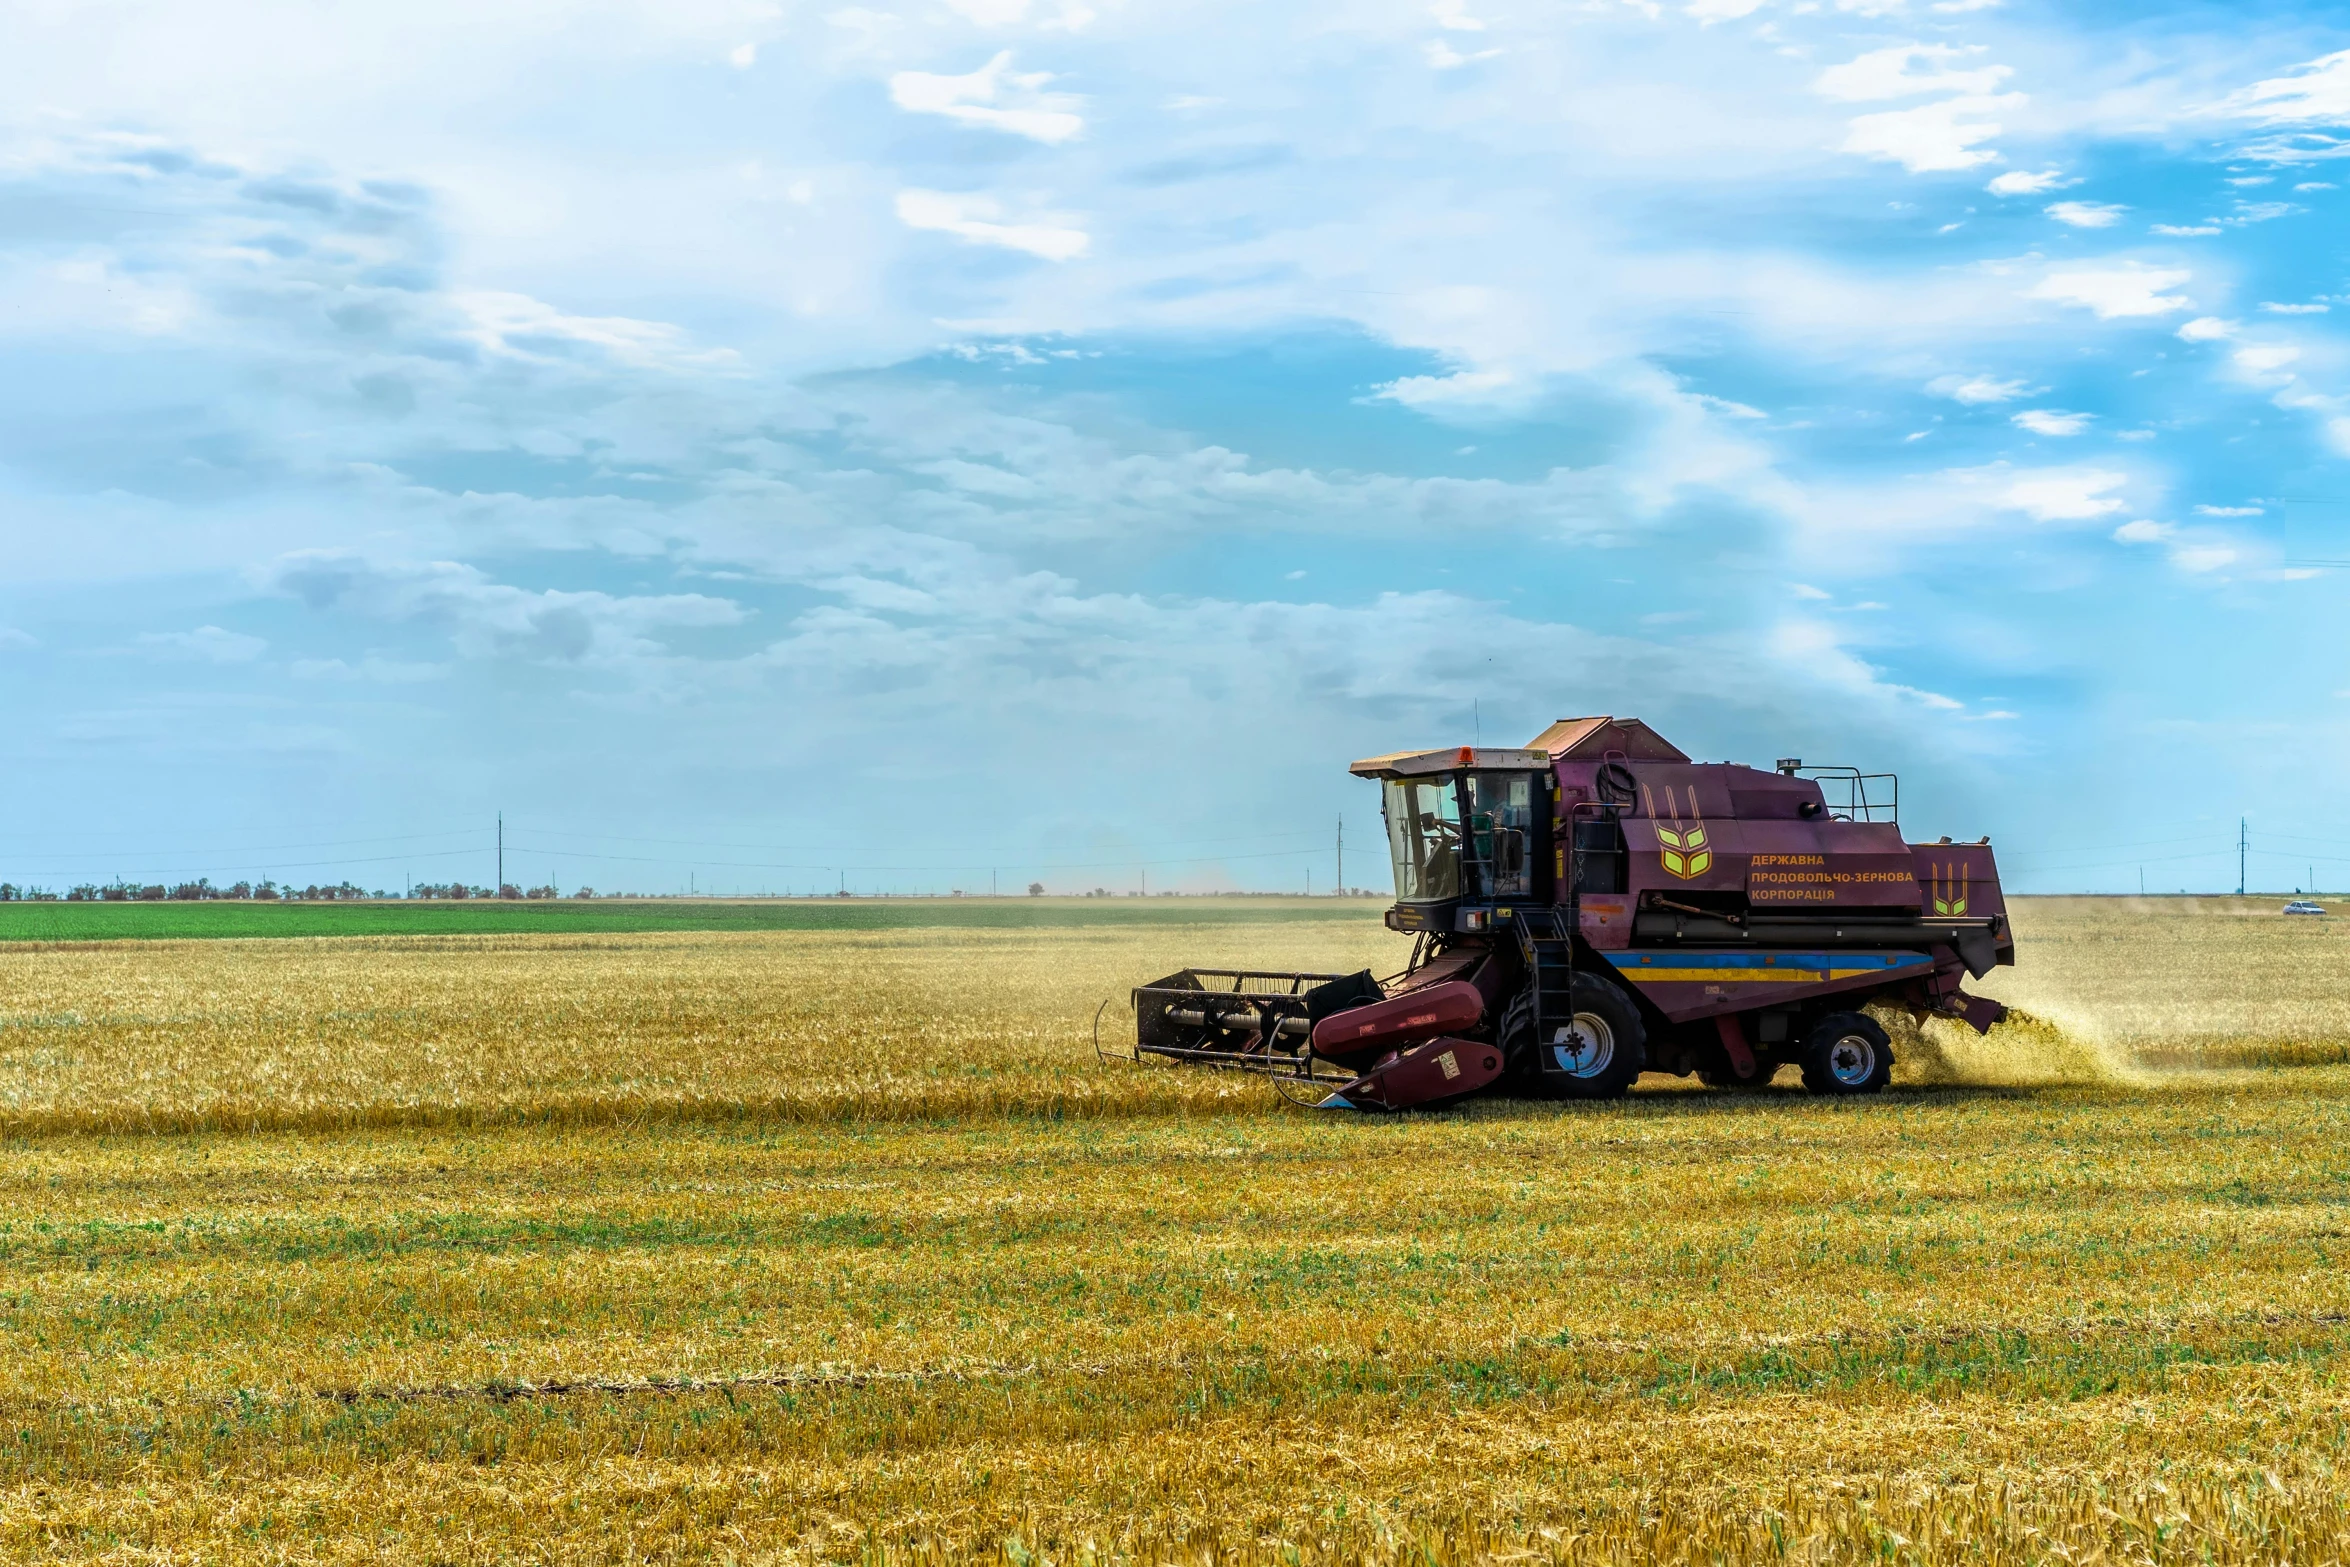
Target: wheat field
{"points": [[798, 1246]]}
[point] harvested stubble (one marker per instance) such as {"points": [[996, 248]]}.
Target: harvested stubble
{"points": [[635, 1281]]}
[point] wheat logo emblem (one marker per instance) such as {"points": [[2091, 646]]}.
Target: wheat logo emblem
{"points": [[1949, 890], [1682, 846]]}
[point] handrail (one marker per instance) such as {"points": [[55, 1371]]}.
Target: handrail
{"points": [[1861, 804]]}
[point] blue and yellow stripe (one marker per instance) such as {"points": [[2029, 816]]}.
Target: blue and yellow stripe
{"points": [[1759, 968]]}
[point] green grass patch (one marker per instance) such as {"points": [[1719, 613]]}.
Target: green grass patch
{"points": [[225, 920]]}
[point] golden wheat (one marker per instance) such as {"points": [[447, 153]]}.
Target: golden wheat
{"points": [[793, 1247]]}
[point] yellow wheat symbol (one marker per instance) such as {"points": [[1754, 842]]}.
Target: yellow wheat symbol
{"points": [[1682, 848], [1950, 885]]}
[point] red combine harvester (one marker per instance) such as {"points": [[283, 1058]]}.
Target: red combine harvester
{"points": [[1597, 906]]}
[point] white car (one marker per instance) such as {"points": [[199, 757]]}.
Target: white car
{"points": [[2304, 906]]}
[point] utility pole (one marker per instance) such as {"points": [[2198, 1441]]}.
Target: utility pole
{"points": [[501, 854], [2243, 843], [1341, 854]]}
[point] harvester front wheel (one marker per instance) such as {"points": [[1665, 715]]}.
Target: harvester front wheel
{"points": [[1847, 1053], [1599, 1053]]}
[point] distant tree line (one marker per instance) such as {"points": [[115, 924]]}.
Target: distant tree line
{"points": [[203, 891], [183, 892]]}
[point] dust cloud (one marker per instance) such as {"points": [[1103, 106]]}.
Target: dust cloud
{"points": [[2026, 1050]]}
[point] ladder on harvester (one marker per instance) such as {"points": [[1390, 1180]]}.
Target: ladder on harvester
{"points": [[1545, 942]]}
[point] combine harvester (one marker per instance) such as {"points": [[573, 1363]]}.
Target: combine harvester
{"points": [[1597, 906]]}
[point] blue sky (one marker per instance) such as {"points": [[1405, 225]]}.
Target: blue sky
{"points": [[774, 446]]}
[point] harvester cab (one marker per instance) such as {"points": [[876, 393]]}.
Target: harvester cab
{"points": [[1469, 830], [1596, 905]]}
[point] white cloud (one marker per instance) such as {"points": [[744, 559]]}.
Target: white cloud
{"points": [[2315, 93], [975, 218], [2116, 293], [2294, 310], [2186, 230], [205, 644], [2087, 214], [1444, 57], [2265, 358], [493, 619], [2049, 421], [993, 97], [1819, 648], [1461, 389], [1933, 137], [1887, 73], [2197, 555], [2200, 558], [520, 327], [1975, 389], [2065, 495], [2231, 511], [2015, 182], [2206, 329]]}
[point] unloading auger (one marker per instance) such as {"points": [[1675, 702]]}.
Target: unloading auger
{"points": [[1596, 906]]}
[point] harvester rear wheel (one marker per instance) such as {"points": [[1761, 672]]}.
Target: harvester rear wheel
{"points": [[1598, 1055], [1847, 1053]]}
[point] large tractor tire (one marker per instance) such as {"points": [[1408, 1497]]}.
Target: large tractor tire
{"points": [[1598, 1055], [1846, 1053]]}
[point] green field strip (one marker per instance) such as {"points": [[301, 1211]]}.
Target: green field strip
{"points": [[239, 920]]}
